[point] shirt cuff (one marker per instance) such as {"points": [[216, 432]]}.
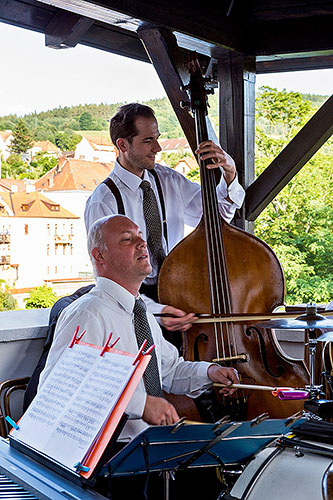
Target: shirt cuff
{"points": [[235, 192], [136, 406]]}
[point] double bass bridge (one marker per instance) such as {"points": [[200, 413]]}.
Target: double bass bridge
{"points": [[239, 358]]}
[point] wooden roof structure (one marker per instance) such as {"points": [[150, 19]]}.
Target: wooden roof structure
{"points": [[235, 39]]}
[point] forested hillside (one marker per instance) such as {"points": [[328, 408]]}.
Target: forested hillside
{"points": [[53, 124]]}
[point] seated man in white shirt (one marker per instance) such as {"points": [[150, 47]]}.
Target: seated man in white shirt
{"points": [[134, 131], [121, 261]]}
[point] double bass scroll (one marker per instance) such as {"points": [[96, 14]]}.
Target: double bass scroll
{"points": [[222, 269]]}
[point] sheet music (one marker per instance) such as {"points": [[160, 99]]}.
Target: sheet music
{"points": [[74, 403]]}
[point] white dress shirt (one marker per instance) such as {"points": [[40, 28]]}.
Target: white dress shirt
{"points": [[182, 199], [108, 307]]}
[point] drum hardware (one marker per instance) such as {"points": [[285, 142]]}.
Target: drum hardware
{"points": [[260, 418], [224, 420], [304, 447], [323, 408], [309, 321], [178, 425], [293, 418]]}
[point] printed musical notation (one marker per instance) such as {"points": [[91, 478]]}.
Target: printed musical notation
{"points": [[75, 402]]}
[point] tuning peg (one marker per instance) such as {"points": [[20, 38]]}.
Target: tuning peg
{"points": [[184, 87], [185, 104]]}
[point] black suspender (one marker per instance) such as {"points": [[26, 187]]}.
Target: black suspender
{"points": [[160, 195], [120, 205], [115, 191]]}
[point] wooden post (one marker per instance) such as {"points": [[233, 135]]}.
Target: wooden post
{"points": [[165, 55], [236, 75]]}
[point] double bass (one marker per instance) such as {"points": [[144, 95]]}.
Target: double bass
{"points": [[222, 269]]}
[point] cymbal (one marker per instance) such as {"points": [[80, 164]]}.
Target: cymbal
{"points": [[303, 322]]}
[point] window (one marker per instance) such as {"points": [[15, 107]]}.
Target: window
{"points": [[55, 228], [72, 229], [26, 229], [55, 269], [71, 249], [63, 249], [48, 230], [56, 249], [47, 249], [48, 269]]}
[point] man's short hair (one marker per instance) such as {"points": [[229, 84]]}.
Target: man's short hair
{"points": [[122, 124], [96, 239]]}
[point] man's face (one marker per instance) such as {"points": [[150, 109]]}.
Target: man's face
{"points": [[141, 151], [126, 257]]}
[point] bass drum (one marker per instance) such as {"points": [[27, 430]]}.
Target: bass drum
{"points": [[285, 473]]}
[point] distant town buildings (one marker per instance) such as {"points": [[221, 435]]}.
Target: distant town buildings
{"points": [[6, 137], [42, 231], [38, 239], [96, 149], [186, 164]]}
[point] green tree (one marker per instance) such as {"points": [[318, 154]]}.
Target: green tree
{"points": [[298, 223], [40, 164], [13, 167], [281, 107], [21, 141], [171, 159], [67, 142], [41, 297], [7, 301], [86, 121]]}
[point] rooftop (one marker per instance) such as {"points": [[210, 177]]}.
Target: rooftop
{"points": [[31, 205], [73, 175]]}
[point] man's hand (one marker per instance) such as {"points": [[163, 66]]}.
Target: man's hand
{"points": [[223, 375], [159, 411], [208, 150], [182, 321]]}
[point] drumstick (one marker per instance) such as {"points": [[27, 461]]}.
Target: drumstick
{"points": [[251, 386]]}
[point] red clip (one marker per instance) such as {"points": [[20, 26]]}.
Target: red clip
{"points": [[114, 343], [74, 337], [140, 353], [148, 351], [106, 344]]}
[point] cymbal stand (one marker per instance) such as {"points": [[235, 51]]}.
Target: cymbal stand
{"points": [[315, 391]]}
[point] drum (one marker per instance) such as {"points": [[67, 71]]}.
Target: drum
{"points": [[280, 473]]}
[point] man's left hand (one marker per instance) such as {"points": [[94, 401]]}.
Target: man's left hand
{"points": [[181, 321], [223, 375], [208, 150]]}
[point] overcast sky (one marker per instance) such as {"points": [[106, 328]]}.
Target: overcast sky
{"points": [[36, 78]]}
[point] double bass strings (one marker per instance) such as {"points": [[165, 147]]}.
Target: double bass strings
{"points": [[220, 292]]}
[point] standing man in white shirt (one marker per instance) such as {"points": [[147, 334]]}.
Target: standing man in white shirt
{"points": [[121, 262], [134, 131]]}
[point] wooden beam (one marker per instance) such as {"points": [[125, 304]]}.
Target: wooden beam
{"points": [[236, 76], [291, 159], [66, 29], [290, 36], [186, 17], [281, 64], [116, 40], [162, 48]]}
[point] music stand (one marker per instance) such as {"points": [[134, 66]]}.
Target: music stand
{"points": [[168, 449]]}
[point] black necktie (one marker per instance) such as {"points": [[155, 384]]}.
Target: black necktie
{"points": [[142, 332], [153, 223]]}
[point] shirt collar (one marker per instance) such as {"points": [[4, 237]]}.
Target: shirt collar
{"points": [[124, 298], [132, 181]]}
